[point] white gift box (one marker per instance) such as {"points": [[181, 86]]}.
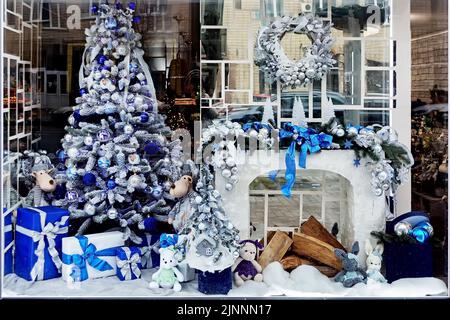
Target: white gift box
{"points": [[187, 272], [91, 256]]}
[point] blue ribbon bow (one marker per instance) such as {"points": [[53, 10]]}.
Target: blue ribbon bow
{"points": [[311, 141], [255, 125], [167, 240], [91, 256]]}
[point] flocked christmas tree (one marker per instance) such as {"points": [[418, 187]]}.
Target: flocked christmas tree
{"points": [[117, 162], [214, 241]]}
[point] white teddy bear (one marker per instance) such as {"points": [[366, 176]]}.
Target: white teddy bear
{"points": [[373, 262], [168, 276]]}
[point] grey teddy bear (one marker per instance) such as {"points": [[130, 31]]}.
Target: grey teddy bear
{"points": [[351, 273]]}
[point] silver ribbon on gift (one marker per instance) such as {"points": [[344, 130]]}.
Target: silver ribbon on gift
{"points": [[48, 231], [146, 252], [6, 229], [129, 266]]}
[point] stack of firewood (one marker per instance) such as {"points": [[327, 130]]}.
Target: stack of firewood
{"points": [[313, 245]]}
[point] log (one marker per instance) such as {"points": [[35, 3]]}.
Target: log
{"points": [[292, 261], [307, 246], [328, 271], [276, 249], [313, 228]]}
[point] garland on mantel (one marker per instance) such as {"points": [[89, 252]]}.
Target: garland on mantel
{"points": [[388, 160]]}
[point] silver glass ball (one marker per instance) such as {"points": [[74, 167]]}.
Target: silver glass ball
{"points": [[228, 187], [234, 170], [352, 131], [230, 162], [128, 129], [226, 173], [378, 192], [112, 213], [340, 132], [382, 176], [402, 228], [88, 140], [72, 152], [89, 209], [68, 137]]}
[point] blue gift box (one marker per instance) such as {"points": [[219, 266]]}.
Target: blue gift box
{"points": [[128, 263], [39, 232], [9, 243], [407, 260], [218, 282], [149, 250]]}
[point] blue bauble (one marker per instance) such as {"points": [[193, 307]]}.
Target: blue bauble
{"points": [[60, 191], [76, 115], [132, 6], [144, 117], [102, 58], [134, 68], [118, 5], [111, 184], [103, 135], [103, 162], [83, 91], [157, 192], [61, 155], [89, 179], [72, 196], [420, 234], [143, 82], [105, 68], [152, 148], [110, 23], [137, 19], [151, 225], [94, 9]]}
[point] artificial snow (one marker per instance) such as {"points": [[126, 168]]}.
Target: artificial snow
{"points": [[305, 281]]}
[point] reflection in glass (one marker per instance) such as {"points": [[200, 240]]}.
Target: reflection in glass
{"points": [[377, 82], [214, 44]]}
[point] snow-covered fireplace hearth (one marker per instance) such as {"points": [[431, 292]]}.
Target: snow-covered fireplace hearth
{"points": [[364, 212]]}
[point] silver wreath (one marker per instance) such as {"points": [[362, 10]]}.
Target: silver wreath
{"points": [[271, 58]]}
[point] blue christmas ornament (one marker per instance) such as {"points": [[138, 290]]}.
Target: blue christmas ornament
{"points": [[143, 82], [157, 192], [72, 196], [105, 68], [348, 144], [132, 6], [137, 19], [144, 117], [357, 162], [89, 179], [60, 191], [111, 23], [71, 173], [152, 148], [102, 58], [83, 91], [134, 68], [103, 135], [94, 9], [111, 184], [61, 155], [76, 115], [103, 162], [422, 231], [118, 5]]}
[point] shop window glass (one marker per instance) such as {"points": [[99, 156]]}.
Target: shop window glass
{"points": [[52, 83], [237, 76], [377, 53], [377, 82], [214, 44], [212, 81], [12, 42], [27, 43]]}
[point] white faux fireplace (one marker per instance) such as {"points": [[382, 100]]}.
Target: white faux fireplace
{"points": [[364, 212]]}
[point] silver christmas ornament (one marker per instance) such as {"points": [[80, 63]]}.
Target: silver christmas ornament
{"points": [[226, 173], [112, 213], [402, 228]]}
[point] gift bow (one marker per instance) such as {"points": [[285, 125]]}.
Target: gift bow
{"points": [[167, 240], [89, 256], [129, 266], [310, 140], [48, 231], [146, 252]]}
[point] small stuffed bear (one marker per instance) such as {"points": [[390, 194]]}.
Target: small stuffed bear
{"points": [[167, 276], [351, 273], [246, 267], [183, 191], [373, 262]]}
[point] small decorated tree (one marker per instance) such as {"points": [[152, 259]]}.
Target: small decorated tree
{"points": [[213, 240]]}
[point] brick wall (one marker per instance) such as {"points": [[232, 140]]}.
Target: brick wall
{"points": [[429, 65]]}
